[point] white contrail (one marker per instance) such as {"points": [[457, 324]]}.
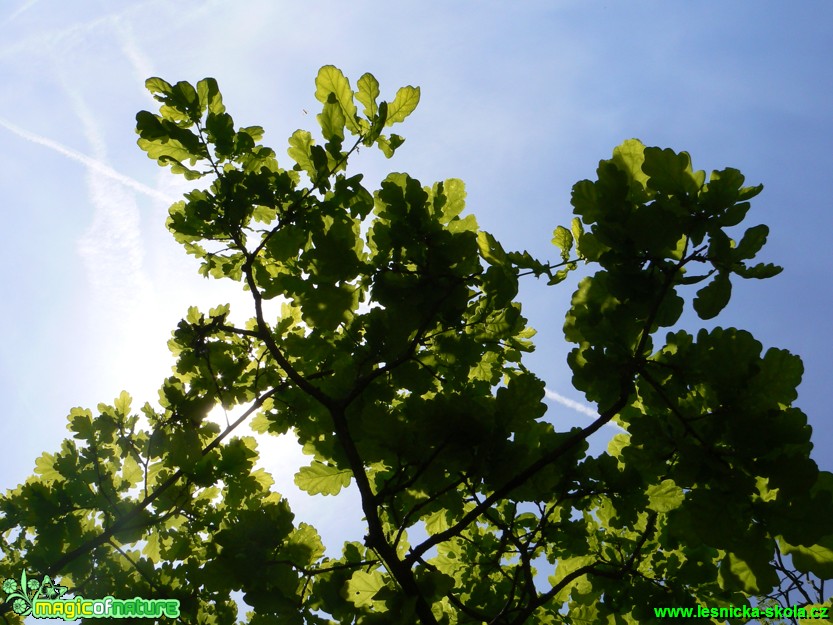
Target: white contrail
{"points": [[131, 50], [90, 163], [44, 42], [23, 8], [577, 406], [112, 246]]}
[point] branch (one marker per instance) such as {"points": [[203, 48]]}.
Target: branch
{"points": [[669, 282], [376, 538], [363, 382], [592, 569], [306, 193], [571, 442], [264, 334], [797, 585], [520, 478], [681, 418], [478, 616]]}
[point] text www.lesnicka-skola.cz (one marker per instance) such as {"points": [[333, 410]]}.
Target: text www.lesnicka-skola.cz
{"points": [[746, 612]]}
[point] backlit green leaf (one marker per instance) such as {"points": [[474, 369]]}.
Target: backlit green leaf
{"points": [[122, 403], [210, 97], [299, 151], [322, 479], [669, 172], [403, 104], [816, 559], [665, 496], [45, 467], [563, 240], [159, 88], [331, 80], [362, 587], [368, 92], [629, 156], [490, 249]]}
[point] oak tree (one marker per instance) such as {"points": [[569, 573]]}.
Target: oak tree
{"points": [[397, 361]]}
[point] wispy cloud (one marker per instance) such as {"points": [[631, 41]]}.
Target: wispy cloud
{"points": [[89, 162], [22, 9], [142, 65], [74, 31], [577, 406]]}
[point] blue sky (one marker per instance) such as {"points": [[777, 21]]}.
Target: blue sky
{"points": [[520, 100]]}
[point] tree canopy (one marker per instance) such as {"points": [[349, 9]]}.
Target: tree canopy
{"points": [[397, 361]]}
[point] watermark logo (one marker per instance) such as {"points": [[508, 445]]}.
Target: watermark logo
{"points": [[22, 596], [45, 599]]}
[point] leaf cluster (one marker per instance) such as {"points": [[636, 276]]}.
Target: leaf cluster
{"points": [[396, 361]]}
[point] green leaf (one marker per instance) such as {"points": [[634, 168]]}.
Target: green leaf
{"points": [[389, 145], [816, 559], [332, 121], [220, 128], [362, 587], [491, 251], [525, 260], [752, 242], [172, 153], [734, 215], [304, 546], [300, 144], [454, 191], [752, 575], [81, 422], [331, 80], [131, 471], [184, 97], [437, 522], [320, 163], [671, 173], [45, 467], [629, 157], [322, 479], [577, 229], [558, 277], [747, 193], [713, 297], [122, 403], [403, 104], [563, 240], [570, 566], [210, 97], [466, 224], [185, 449], [328, 306], [760, 271], [159, 88], [590, 248], [374, 133], [665, 496], [170, 144], [368, 92]]}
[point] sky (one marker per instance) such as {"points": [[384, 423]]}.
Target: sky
{"points": [[519, 99]]}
